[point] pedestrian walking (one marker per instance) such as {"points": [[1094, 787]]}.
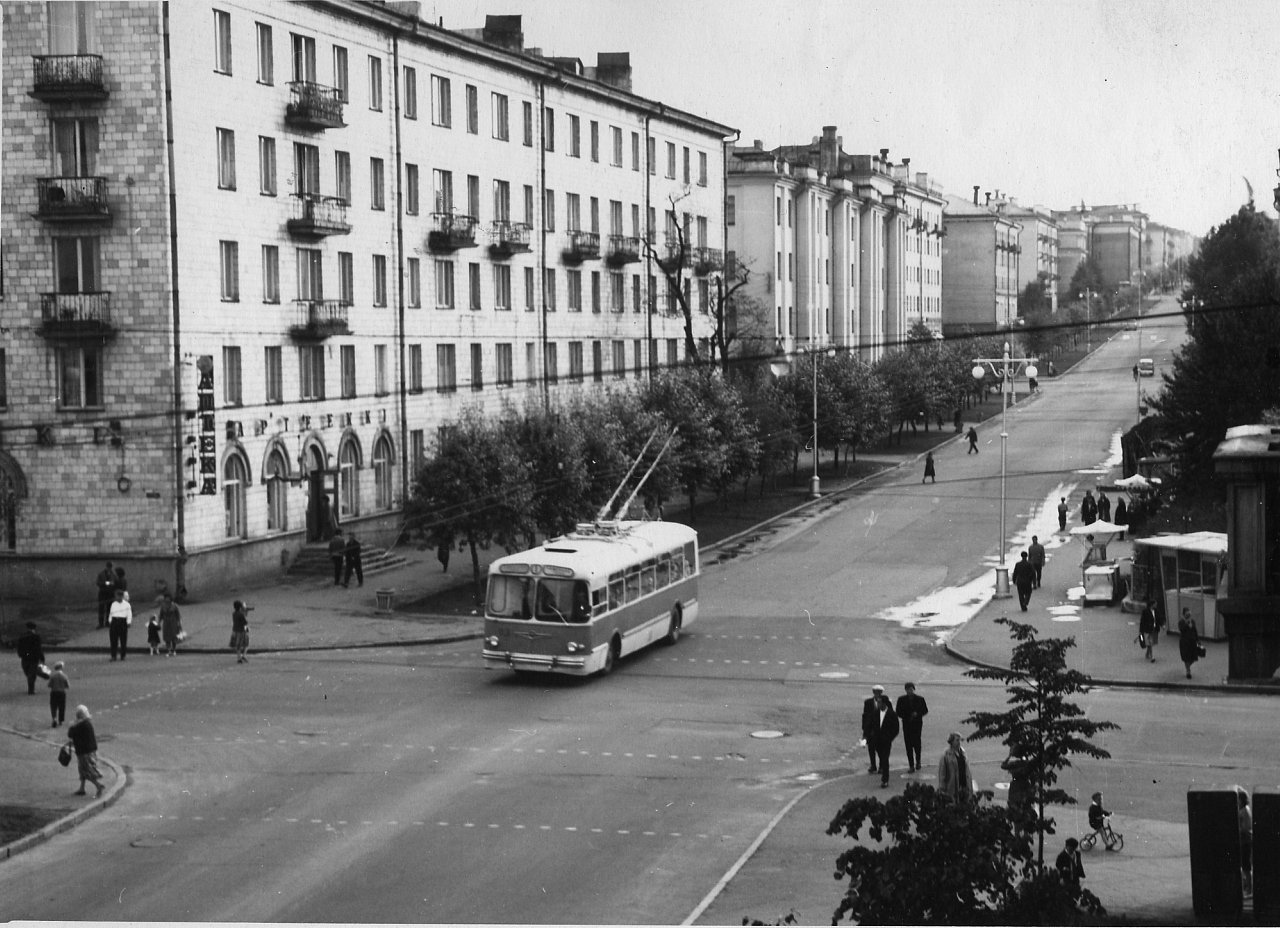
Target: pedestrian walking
{"points": [[240, 630], [954, 779], [106, 593], [911, 710], [870, 715], [352, 552], [1088, 508], [442, 555], [884, 732], [84, 740], [1104, 506], [928, 468], [1122, 514], [959, 422], [120, 618], [153, 634], [1244, 821], [170, 624], [59, 683], [31, 655], [1189, 648], [122, 584], [1070, 866], [1148, 629], [972, 435], [1036, 555], [337, 554], [1021, 792], [1024, 578], [1063, 509]]}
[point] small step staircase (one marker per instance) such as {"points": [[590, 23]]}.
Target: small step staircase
{"points": [[313, 562]]}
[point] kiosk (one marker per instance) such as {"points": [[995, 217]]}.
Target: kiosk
{"points": [[1181, 571], [1099, 573]]}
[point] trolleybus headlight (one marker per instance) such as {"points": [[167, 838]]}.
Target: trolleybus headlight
{"points": [[573, 647], [491, 641]]}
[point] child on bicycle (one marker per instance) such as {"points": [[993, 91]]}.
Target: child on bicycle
{"points": [[1099, 819]]}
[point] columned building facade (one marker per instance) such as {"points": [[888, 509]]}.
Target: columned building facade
{"points": [[1038, 249]]}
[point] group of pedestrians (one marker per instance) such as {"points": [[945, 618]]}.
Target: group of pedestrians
{"points": [[882, 722], [344, 552]]}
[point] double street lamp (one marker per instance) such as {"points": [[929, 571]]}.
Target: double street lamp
{"points": [[782, 367], [1008, 369]]}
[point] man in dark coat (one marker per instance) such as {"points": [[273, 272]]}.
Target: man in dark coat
{"points": [[911, 710], [106, 593], [1024, 578], [870, 716], [1088, 508], [31, 654], [354, 564], [1036, 555], [883, 734], [337, 554]]}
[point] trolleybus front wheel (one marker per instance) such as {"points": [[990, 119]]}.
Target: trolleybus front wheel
{"points": [[611, 657], [673, 633]]}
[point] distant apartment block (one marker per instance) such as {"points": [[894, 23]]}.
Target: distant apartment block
{"points": [[980, 264]]}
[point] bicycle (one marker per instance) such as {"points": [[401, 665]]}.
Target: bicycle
{"points": [[1111, 840]]}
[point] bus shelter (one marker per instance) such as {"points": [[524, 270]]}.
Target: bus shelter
{"points": [[1181, 572]]}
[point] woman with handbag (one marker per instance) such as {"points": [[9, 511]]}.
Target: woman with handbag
{"points": [[1188, 641], [85, 743], [1148, 629]]}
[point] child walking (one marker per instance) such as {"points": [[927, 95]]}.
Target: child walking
{"points": [[58, 686], [153, 633]]}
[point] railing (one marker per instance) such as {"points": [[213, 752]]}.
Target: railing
{"points": [[316, 216], [68, 77], [314, 106], [510, 237], [316, 320], [623, 249], [582, 245], [707, 260], [451, 231], [675, 254], [75, 315], [72, 198]]}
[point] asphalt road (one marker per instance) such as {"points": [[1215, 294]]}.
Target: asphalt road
{"points": [[414, 785]]}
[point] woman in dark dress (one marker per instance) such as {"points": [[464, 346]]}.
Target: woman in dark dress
{"points": [[85, 741], [1188, 641]]}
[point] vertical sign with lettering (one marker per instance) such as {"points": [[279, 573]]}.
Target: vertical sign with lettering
{"points": [[208, 440]]}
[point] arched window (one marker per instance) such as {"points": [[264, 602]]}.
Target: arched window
{"points": [[383, 459], [348, 480], [235, 481], [277, 472]]}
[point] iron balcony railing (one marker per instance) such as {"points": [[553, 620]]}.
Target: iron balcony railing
{"points": [[582, 245], [451, 231], [510, 238], [68, 77], [316, 216], [623, 249], [707, 260], [79, 199], [314, 106], [316, 320], [76, 315], [675, 254]]}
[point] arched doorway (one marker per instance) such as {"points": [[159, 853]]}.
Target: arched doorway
{"points": [[383, 460], [276, 474], [349, 463], [321, 519], [235, 482]]}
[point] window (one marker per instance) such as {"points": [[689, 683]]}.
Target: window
{"points": [[594, 204], [477, 366], [342, 176], [415, 283], [306, 168], [266, 166], [417, 448], [552, 363], [341, 78], [595, 140], [473, 110], [444, 284], [270, 274], [548, 129], [380, 372], [310, 274], [505, 372], [229, 263], [273, 370], [346, 278], [575, 362], [573, 212], [704, 295], [266, 57], [304, 58], [530, 304], [595, 291], [226, 159], [442, 190], [446, 369], [575, 137], [498, 116], [573, 288], [501, 287], [383, 460], [549, 210], [411, 195], [702, 232], [528, 205], [549, 288], [277, 474], [348, 479], [617, 292], [375, 83], [673, 355], [473, 284], [235, 482], [651, 153], [501, 201], [377, 184], [527, 109], [671, 160], [635, 151], [311, 371], [619, 358], [71, 28], [636, 350], [702, 169], [415, 368], [616, 134], [410, 93], [686, 164], [75, 146], [531, 364], [221, 42], [597, 360], [635, 292], [730, 210], [441, 102], [79, 377], [379, 280], [473, 196], [232, 394], [347, 370]]}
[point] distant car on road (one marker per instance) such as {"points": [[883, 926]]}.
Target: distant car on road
{"points": [[1131, 326], [1146, 367]]}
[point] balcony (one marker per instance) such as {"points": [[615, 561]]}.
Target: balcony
{"points": [[582, 246], [68, 78], [451, 231], [509, 238], [316, 320], [667, 304], [315, 216], [72, 199], [76, 317], [313, 106], [674, 255], [707, 260], [623, 249]]}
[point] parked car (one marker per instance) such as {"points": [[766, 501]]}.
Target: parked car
{"points": [[1146, 367]]}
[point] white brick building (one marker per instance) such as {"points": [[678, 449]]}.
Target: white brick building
{"points": [[363, 223]]}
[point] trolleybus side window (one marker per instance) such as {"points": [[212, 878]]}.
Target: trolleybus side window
{"points": [[664, 570], [691, 557], [633, 585], [646, 578], [615, 591]]}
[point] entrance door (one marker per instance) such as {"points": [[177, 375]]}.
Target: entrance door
{"points": [[319, 509]]}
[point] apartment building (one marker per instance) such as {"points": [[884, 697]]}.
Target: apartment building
{"points": [[1038, 244], [980, 257], [1165, 253], [842, 249], [257, 255], [1073, 248], [1115, 243]]}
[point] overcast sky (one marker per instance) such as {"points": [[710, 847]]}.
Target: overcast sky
{"points": [[1170, 105]]}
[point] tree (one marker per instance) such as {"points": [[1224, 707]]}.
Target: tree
{"points": [[1042, 724], [553, 447], [1035, 296], [1087, 276]]}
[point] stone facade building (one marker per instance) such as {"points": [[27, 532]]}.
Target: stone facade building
{"points": [[980, 260], [257, 254]]}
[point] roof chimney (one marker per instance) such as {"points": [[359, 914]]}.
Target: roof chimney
{"points": [[614, 69], [988, 198], [504, 32], [884, 155], [906, 162], [975, 194], [829, 152]]}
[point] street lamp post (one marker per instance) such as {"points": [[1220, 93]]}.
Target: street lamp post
{"points": [[1008, 368], [781, 367]]}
